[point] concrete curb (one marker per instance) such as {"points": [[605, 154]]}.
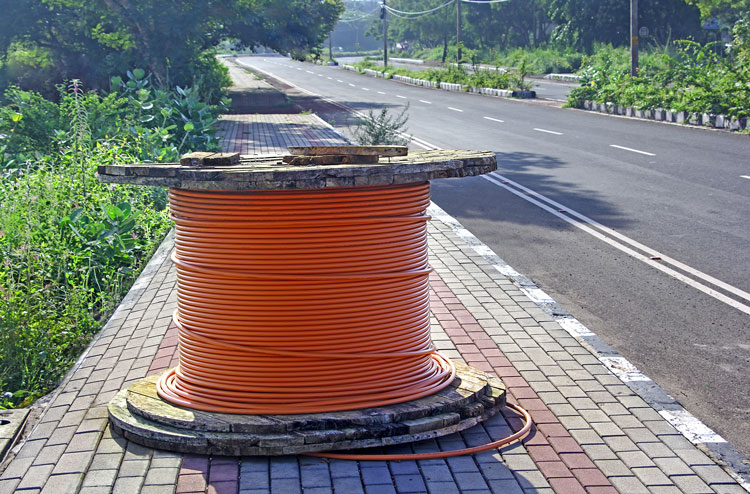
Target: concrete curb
{"points": [[695, 431], [719, 121], [446, 86]]}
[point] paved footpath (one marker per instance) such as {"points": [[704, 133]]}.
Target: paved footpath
{"points": [[592, 433]]}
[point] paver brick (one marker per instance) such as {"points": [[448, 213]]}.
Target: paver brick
{"points": [[651, 476]]}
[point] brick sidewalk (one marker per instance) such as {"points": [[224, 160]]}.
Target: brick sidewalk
{"points": [[592, 433]]}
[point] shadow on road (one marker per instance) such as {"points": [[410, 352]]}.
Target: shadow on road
{"points": [[478, 198]]}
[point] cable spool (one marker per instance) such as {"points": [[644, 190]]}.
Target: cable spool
{"points": [[302, 301]]}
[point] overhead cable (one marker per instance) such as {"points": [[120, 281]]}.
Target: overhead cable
{"points": [[423, 12]]}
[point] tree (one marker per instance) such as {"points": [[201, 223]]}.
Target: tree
{"points": [[93, 39], [582, 23]]}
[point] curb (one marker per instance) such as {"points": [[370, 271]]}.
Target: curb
{"points": [[446, 86], [695, 431], [717, 121]]}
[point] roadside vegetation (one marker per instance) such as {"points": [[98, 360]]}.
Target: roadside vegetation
{"points": [[71, 246], [496, 79], [693, 78]]}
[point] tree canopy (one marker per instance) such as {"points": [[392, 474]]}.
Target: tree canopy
{"points": [[93, 39]]}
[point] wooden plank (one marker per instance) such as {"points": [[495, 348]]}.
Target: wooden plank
{"points": [[210, 159], [358, 150], [331, 159]]}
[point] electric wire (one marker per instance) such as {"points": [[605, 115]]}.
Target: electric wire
{"points": [[302, 301], [423, 12]]}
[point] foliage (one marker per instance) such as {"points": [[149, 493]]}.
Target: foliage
{"points": [[71, 246], [383, 128], [695, 80], [453, 74], [172, 39]]}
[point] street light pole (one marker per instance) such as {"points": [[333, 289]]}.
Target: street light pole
{"points": [[383, 14], [634, 41], [458, 29]]}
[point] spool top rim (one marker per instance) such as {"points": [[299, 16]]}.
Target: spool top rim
{"points": [[269, 172]]}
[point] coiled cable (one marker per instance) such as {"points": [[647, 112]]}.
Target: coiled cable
{"points": [[302, 301]]}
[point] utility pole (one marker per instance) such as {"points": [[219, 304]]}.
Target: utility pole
{"points": [[634, 41], [458, 29], [383, 14]]}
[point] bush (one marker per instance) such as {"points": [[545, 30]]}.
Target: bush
{"points": [[71, 246], [693, 79]]}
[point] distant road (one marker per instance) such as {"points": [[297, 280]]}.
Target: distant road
{"points": [[667, 192]]}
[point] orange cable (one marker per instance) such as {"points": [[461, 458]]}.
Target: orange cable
{"points": [[438, 454], [302, 301]]}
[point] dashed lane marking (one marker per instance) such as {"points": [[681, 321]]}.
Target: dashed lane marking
{"points": [[631, 150], [745, 176], [425, 102], [548, 131], [494, 119], [352, 85], [381, 92], [399, 96], [455, 109], [309, 71], [339, 80], [365, 89]]}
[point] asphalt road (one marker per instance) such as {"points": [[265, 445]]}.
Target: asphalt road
{"points": [[681, 193]]}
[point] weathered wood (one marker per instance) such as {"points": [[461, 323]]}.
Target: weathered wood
{"points": [[200, 158], [360, 150], [142, 416], [331, 159], [269, 172]]}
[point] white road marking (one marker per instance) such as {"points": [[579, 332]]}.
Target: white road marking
{"points": [[631, 150], [365, 89], [745, 176], [320, 75], [548, 131], [399, 96], [309, 72], [455, 109], [425, 102], [298, 68], [597, 230], [381, 92], [352, 85], [329, 78], [494, 119]]}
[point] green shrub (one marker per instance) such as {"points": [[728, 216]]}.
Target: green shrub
{"points": [[71, 246]]}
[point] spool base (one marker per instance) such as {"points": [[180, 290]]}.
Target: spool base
{"points": [[141, 416]]}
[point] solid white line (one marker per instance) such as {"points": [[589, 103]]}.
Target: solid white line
{"points": [[425, 102], [549, 131], [455, 109], [494, 119], [631, 150], [745, 176], [587, 224], [652, 252], [381, 92], [399, 96]]}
